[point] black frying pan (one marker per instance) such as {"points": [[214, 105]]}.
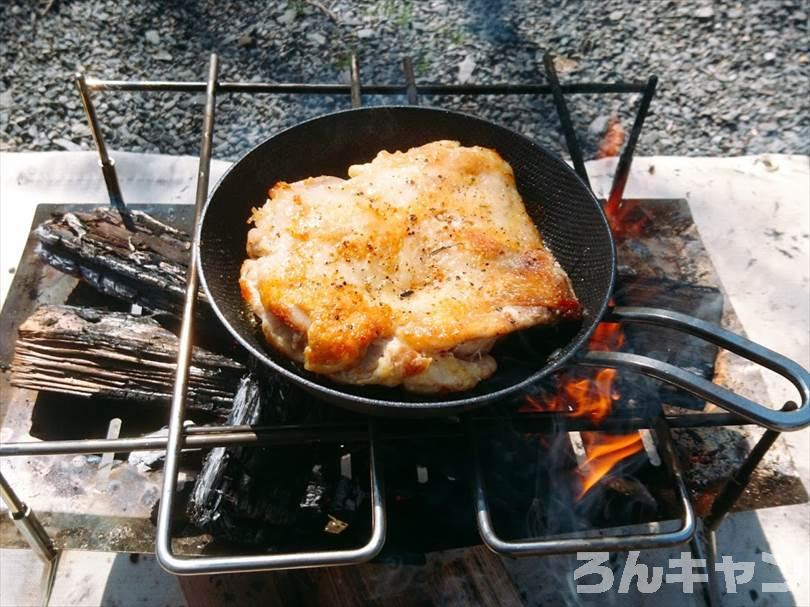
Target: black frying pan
{"points": [[564, 209]]}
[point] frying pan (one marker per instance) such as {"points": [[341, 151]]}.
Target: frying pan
{"points": [[564, 209]]}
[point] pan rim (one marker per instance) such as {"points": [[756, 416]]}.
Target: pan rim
{"points": [[428, 406]]}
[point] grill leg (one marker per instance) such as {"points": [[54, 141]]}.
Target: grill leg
{"points": [[736, 485], [702, 547], [33, 533]]}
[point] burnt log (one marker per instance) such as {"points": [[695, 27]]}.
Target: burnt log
{"points": [[145, 265], [255, 495], [91, 352]]}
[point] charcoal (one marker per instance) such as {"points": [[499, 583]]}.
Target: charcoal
{"points": [[257, 495]]}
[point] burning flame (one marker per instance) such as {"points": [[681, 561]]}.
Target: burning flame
{"points": [[588, 393], [591, 394], [604, 452]]}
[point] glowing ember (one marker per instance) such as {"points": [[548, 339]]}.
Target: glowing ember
{"points": [[612, 141], [625, 221]]}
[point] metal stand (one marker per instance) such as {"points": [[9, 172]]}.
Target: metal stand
{"points": [[704, 544], [33, 533]]}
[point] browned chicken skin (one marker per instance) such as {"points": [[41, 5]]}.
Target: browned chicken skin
{"points": [[404, 274]]}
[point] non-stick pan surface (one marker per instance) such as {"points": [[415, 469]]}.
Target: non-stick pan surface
{"points": [[569, 218]]}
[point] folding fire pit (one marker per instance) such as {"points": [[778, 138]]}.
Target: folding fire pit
{"points": [[584, 462]]}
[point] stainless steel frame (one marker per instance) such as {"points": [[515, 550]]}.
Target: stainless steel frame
{"points": [[549, 546], [33, 533], [206, 437]]}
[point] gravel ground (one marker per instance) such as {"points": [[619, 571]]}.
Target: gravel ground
{"points": [[733, 75]]}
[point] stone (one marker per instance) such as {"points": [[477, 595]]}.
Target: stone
{"points": [[246, 41], [67, 144], [704, 13], [718, 65], [598, 126], [80, 129], [465, 69], [288, 16], [316, 38]]}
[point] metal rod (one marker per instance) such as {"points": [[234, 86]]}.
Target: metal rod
{"points": [[710, 539], [626, 158], [772, 419], [735, 486], [163, 543], [177, 414], [566, 545], [202, 437], [410, 82], [14, 503], [670, 459], [711, 594], [296, 88], [565, 119], [294, 560], [105, 466], [357, 95], [107, 164], [27, 523]]}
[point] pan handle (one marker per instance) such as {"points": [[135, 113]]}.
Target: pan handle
{"points": [[764, 416]]}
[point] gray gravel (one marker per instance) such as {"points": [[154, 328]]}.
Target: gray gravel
{"points": [[733, 75]]}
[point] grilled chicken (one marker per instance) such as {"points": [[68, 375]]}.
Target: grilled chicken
{"points": [[404, 274]]}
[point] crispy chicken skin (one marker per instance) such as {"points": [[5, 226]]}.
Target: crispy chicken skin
{"points": [[404, 274]]}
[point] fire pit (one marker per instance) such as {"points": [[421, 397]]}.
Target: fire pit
{"points": [[591, 460]]}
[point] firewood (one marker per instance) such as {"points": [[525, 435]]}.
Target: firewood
{"points": [[88, 351], [146, 266]]}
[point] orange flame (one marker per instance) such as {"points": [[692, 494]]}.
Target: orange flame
{"points": [[620, 213], [604, 452], [592, 396], [612, 141], [625, 217]]}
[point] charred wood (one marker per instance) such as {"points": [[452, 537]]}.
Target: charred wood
{"points": [[146, 266], [92, 352], [260, 495]]}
